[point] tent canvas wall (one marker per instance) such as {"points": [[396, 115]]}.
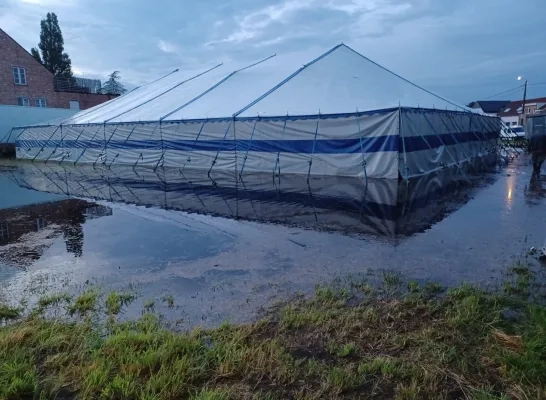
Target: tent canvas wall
{"points": [[341, 114]]}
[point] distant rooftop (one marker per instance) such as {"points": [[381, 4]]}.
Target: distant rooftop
{"points": [[513, 108], [76, 85], [489, 106]]}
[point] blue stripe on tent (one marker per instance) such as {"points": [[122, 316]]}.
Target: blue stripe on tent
{"points": [[332, 146], [418, 143], [327, 146]]}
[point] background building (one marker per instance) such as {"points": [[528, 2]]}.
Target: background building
{"points": [[25, 82], [513, 114], [489, 107]]}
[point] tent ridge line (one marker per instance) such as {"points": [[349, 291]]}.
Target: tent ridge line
{"points": [[404, 79], [256, 63], [166, 91], [92, 109], [199, 96], [286, 80], [215, 86]]}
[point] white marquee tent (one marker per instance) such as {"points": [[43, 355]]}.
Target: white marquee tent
{"points": [[341, 114]]}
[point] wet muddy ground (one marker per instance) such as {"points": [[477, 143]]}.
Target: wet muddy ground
{"points": [[63, 229]]}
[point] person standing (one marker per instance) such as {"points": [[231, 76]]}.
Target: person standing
{"points": [[537, 148]]}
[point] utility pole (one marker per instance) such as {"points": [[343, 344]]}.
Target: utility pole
{"points": [[523, 104]]}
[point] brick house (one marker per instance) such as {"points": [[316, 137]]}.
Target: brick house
{"points": [[512, 113], [25, 82]]}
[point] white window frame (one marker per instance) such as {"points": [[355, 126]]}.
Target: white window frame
{"points": [[40, 102], [19, 76], [23, 101]]}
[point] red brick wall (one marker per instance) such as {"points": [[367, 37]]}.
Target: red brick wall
{"points": [[87, 100], [39, 80]]}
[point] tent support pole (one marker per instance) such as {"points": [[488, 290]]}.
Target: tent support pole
{"points": [[106, 144], [221, 146], [113, 159], [85, 149], [125, 141], [45, 144], [193, 146], [456, 162], [56, 147], [110, 138], [247, 149], [313, 150], [362, 150], [140, 157], [467, 158], [67, 153], [18, 136], [162, 147], [460, 128], [277, 161], [401, 134], [101, 155], [7, 136]]}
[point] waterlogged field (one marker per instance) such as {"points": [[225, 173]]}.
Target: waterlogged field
{"points": [[395, 340]]}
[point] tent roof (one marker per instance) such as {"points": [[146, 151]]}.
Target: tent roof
{"points": [[339, 81]]}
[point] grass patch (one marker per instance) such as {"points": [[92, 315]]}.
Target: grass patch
{"points": [[334, 345], [85, 303], [54, 300], [391, 279], [9, 313], [116, 301]]}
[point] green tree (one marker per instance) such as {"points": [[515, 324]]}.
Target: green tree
{"points": [[113, 85], [36, 54], [51, 54]]}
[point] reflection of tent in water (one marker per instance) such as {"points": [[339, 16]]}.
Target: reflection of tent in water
{"points": [[339, 115], [378, 206]]}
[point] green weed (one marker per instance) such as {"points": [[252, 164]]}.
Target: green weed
{"points": [[85, 302], [116, 301]]}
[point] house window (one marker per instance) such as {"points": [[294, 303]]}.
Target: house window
{"points": [[19, 76], [74, 104], [507, 110], [23, 101], [40, 102]]}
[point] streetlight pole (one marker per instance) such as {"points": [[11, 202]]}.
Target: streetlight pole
{"points": [[523, 102]]}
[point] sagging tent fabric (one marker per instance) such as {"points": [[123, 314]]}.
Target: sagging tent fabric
{"points": [[341, 114]]}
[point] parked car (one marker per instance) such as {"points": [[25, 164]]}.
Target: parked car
{"points": [[519, 131]]}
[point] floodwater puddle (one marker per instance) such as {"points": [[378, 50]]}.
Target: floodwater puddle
{"points": [[224, 246]]}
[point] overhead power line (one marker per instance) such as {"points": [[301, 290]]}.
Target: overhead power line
{"points": [[505, 92]]}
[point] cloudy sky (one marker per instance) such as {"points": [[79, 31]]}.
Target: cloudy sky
{"points": [[462, 49]]}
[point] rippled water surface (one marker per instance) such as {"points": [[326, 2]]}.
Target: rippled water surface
{"points": [[225, 247]]}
